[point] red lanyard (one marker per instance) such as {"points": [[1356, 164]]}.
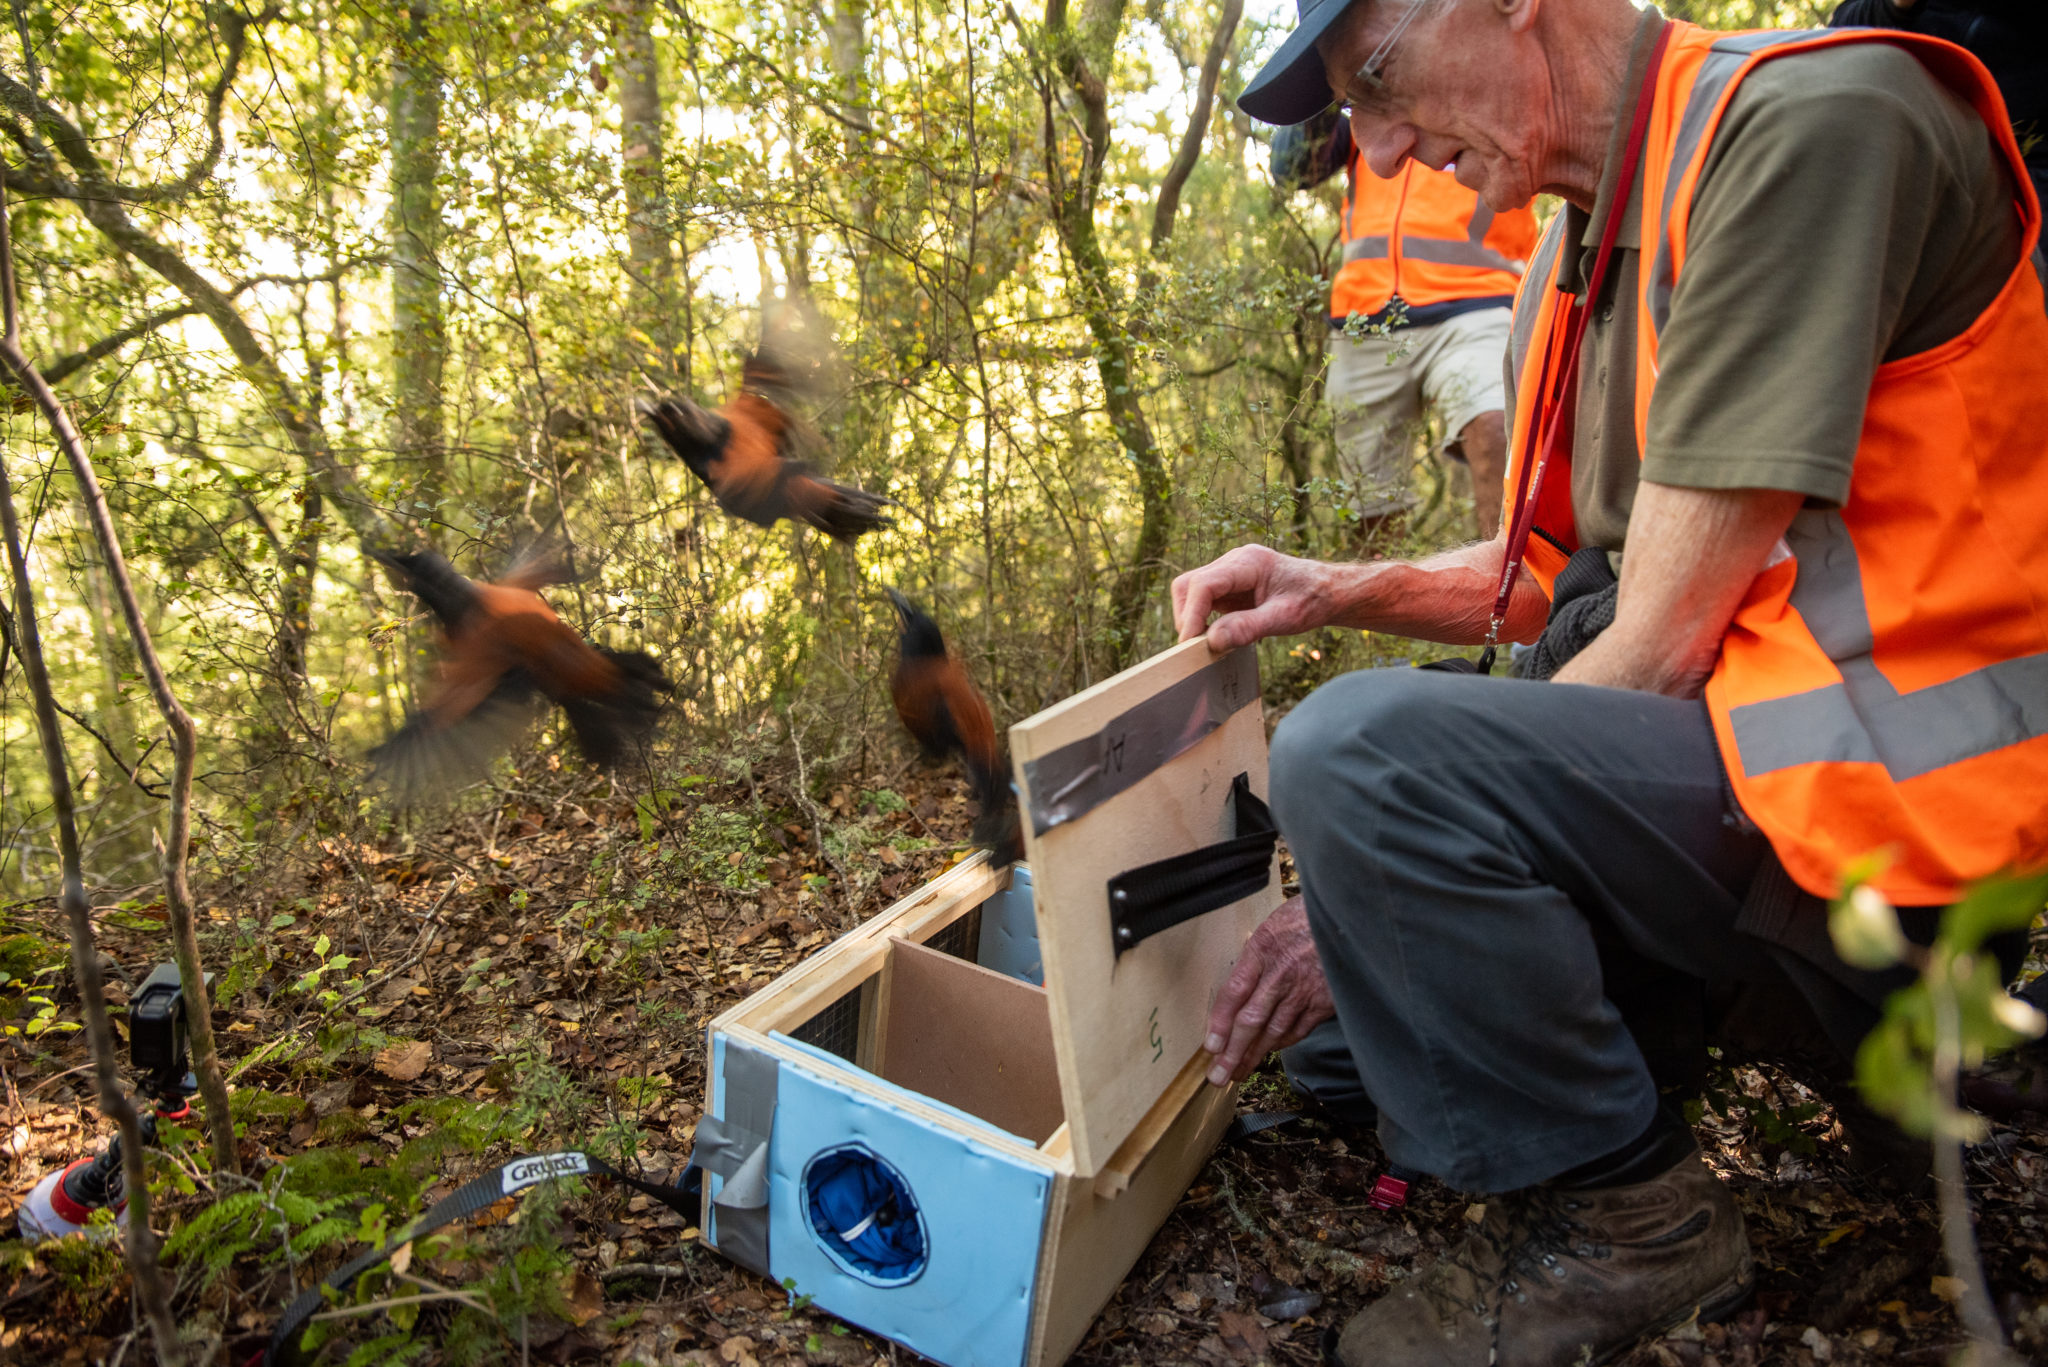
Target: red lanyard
{"points": [[1551, 417]]}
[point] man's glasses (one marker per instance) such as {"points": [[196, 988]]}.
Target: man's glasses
{"points": [[1367, 91]]}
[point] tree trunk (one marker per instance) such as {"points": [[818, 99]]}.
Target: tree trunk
{"points": [[1077, 56], [650, 265], [419, 338]]}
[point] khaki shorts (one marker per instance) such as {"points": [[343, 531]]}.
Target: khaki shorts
{"points": [[1378, 385]]}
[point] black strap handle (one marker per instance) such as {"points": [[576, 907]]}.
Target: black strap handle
{"points": [[465, 1201], [1158, 896]]}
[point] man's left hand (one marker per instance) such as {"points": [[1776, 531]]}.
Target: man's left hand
{"points": [[1275, 996]]}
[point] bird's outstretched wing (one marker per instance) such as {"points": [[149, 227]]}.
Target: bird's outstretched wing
{"points": [[539, 564], [444, 746]]}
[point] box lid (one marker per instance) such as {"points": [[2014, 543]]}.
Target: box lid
{"points": [[1136, 769]]}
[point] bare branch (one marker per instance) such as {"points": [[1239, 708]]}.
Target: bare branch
{"points": [[132, 773], [64, 367], [141, 1245], [28, 47], [1198, 127], [76, 149], [184, 750]]}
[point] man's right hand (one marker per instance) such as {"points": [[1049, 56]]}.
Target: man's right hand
{"points": [[1274, 997], [1259, 593]]}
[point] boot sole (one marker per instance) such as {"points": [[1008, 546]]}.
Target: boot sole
{"points": [[1711, 1311]]}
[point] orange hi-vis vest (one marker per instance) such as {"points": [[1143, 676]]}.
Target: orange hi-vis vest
{"points": [[1426, 238], [1884, 683]]}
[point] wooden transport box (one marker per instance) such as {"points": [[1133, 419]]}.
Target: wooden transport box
{"points": [[959, 1125]]}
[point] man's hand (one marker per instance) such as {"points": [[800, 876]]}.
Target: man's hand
{"points": [[1275, 996], [1260, 593]]}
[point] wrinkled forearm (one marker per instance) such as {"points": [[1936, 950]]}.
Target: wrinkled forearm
{"points": [[1692, 555], [1446, 598]]}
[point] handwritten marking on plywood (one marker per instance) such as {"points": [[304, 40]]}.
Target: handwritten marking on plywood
{"points": [[1124, 1027]]}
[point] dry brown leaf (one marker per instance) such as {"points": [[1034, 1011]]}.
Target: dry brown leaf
{"points": [[401, 1259], [405, 1062], [1242, 1335], [585, 1296]]}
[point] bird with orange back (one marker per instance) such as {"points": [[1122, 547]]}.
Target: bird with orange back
{"points": [[503, 649], [747, 452], [946, 715]]}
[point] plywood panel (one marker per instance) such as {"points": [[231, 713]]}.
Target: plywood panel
{"points": [[1093, 1241], [969, 1037], [1124, 1028]]}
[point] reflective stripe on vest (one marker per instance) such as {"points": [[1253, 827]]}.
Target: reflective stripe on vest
{"points": [[1426, 238], [1472, 251], [1864, 719], [1884, 683]]}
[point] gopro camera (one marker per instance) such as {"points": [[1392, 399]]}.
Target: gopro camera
{"points": [[156, 1031]]}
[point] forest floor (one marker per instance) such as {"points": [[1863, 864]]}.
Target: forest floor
{"points": [[541, 974]]}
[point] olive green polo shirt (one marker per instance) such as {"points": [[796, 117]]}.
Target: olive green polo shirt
{"points": [[1852, 210]]}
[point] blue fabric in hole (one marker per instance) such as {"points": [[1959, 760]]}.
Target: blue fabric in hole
{"points": [[862, 1213]]}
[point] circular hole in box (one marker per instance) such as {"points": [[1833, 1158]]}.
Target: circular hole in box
{"points": [[860, 1210]]}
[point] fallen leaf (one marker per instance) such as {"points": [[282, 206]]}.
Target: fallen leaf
{"points": [[585, 1296], [404, 1062], [401, 1258], [1187, 1302], [1242, 1335], [1949, 1289], [1158, 1323], [739, 1351]]}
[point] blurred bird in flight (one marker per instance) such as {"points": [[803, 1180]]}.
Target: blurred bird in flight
{"points": [[747, 451], [946, 715], [503, 647]]}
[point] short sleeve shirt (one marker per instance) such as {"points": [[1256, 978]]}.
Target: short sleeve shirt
{"points": [[1851, 210]]}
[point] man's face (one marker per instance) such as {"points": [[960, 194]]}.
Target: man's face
{"points": [[1463, 85]]}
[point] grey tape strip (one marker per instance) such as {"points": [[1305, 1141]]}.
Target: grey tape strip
{"points": [[741, 1226], [1077, 778], [722, 1146]]}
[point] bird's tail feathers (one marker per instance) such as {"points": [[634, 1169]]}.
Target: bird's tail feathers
{"points": [[998, 827], [848, 513], [612, 726]]}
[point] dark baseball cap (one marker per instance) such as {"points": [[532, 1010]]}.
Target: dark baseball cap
{"points": [[1291, 88]]}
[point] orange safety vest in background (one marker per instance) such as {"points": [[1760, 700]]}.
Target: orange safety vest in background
{"points": [[1884, 684], [1428, 239]]}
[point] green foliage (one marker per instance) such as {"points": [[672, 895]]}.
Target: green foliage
{"points": [[727, 847], [1958, 1011]]}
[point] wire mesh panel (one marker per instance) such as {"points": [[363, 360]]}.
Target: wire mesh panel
{"points": [[836, 1029], [962, 939]]}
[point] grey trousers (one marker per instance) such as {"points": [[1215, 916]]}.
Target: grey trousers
{"points": [[1493, 868]]}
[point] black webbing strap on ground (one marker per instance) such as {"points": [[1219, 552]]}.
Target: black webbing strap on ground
{"points": [[1158, 896], [472, 1196], [1248, 1123]]}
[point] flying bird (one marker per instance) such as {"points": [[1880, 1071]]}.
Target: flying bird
{"points": [[503, 648], [946, 715], [746, 451]]}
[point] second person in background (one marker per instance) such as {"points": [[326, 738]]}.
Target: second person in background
{"points": [[1432, 272]]}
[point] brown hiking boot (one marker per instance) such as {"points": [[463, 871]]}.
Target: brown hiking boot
{"points": [[1553, 1278]]}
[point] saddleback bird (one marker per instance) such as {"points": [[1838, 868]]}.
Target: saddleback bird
{"points": [[946, 715], [503, 647], [746, 451]]}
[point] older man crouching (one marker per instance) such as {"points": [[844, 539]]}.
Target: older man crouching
{"points": [[1803, 404]]}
